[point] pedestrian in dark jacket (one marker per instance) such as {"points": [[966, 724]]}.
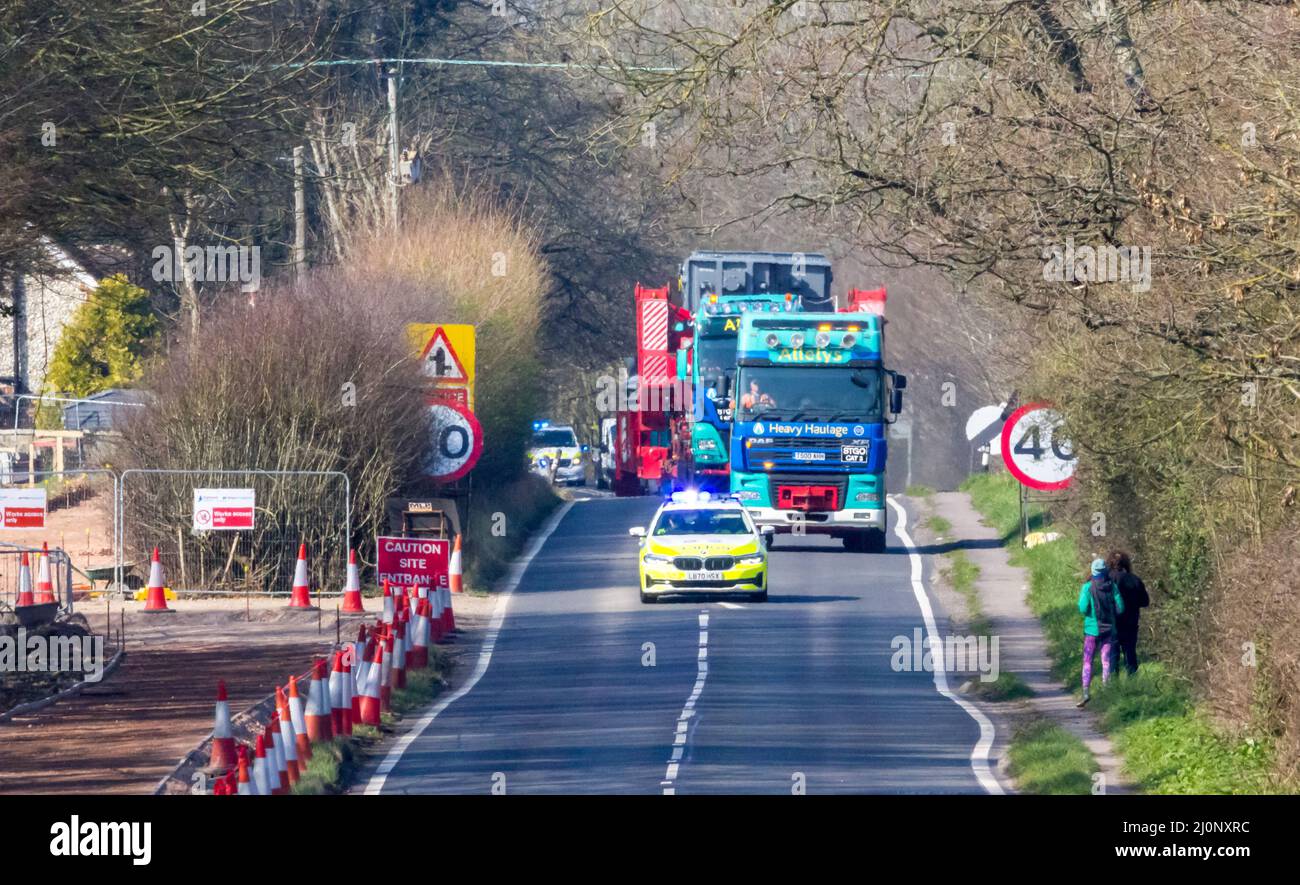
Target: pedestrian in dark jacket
{"points": [[1134, 594], [1100, 604]]}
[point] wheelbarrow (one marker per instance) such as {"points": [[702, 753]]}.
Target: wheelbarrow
{"points": [[107, 573]]}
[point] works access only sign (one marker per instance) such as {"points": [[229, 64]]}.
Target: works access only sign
{"points": [[22, 508], [412, 562], [447, 354], [223, 509]]}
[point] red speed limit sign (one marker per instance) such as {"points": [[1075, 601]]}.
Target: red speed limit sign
{"points": [[457, 442], [1034, 450]]}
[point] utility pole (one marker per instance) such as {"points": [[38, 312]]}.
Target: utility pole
{"points": [[393, 136], [299, 214]]}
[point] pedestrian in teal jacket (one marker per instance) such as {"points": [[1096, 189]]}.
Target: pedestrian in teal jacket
{"points": [[1101, 604]]}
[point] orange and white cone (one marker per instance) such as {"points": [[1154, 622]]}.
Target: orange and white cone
{"points": [[223, 742], [359, 665], [318, 705], [454, 571], [336, 693], [371, 703], [346, 709], [352, 590], [448, 614], [418, 657], [25, 595], [155, 599], [245, 787], [299, 719], [262, 776], [288, 739], [386, 675], [389, 605], [436, 619], [399, 655], [44, 586], [301, 597], [277, 747]]}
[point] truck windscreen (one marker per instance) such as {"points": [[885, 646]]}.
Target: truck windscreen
{"points": [[793, 393], [717, 359]]}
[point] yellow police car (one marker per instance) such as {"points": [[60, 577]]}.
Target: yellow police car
{"points": [[697, 544]]}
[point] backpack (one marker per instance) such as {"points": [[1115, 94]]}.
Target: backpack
{"points": [[1102, 590]]}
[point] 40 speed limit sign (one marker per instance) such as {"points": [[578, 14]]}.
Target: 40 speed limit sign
{"points": [[457, 442], [1033, 449]]}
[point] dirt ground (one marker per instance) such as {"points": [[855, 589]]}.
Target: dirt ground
{"points": [[85, 531], [128, 732]]}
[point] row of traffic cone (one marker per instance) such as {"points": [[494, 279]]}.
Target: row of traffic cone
{"points": [[357, 690], [44, 592]]}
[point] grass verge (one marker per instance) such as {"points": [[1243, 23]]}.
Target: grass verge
{"points": [[501, 521], [1047, 760], [1007, 687], [1168, 745]]}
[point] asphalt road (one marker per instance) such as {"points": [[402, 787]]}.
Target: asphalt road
{"points": [[797, 693]]}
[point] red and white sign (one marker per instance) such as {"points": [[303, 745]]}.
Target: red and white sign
{"points": [[22, 508], [1034, 450], [412, 562], [223, 509], [457, 442]]}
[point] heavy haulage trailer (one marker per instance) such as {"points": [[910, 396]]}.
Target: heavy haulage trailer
{"points": [[691, 419]]}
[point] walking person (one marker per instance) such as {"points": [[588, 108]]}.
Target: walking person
{"points": [[1134, 594], [1100, 604]]}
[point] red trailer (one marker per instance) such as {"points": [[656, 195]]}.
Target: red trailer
{"points": [[653, 434]]}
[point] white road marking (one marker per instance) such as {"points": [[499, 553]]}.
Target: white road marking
{"points": [[516, 574], [979, 756], [688, 709]]}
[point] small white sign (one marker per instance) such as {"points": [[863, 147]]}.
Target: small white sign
{"points": [[223, 509], [22, 508]]}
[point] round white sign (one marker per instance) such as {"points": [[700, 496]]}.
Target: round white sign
{"points": [[457, 442], [1033, 449]]}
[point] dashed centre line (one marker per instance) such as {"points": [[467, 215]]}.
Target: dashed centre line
{"points": [[688, 709]]}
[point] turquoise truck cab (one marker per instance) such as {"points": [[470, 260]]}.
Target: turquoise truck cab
{"points": [[808, 447]]}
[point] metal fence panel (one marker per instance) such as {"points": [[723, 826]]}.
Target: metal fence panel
{"points": [[156, 509], [11, 556]]}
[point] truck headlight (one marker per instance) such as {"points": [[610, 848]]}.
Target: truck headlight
{"points": [[750, 559]]}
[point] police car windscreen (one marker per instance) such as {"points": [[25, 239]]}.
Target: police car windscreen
{"points": [[701, 522], [552, 438]]}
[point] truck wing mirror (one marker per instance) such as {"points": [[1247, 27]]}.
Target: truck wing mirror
{"points": [[895, 401], [900, 381]]}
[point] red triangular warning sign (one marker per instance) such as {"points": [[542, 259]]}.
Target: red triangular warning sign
{"points": [[440, 359]]}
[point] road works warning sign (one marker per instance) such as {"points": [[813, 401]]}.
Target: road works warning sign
{"points": [[447, 353], [223, 509], [412, 562], [22, 508]]}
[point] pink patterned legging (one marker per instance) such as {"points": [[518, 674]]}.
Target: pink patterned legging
{"points": [[1107, 654]]}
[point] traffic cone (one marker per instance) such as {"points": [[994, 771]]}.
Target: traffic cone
{"points": [[301, 597], [386, 675], [346, 709], [418, 657], [371, 695], [155, 600], [318, 705], [448, 613], [352, 591], [25, 595], [288, 739], [436, 619], [299, 722], [388, 603], [277, 747], [44, 587], [261, 767], [399, 656], [223, 742], [454, 571], [245, 787], [336, 693], [359, 665]]}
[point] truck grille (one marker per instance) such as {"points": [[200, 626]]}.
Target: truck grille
{"points": [[840, 483], [809, 455]]}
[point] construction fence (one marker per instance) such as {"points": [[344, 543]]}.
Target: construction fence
{"points": [[291, 509]]}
